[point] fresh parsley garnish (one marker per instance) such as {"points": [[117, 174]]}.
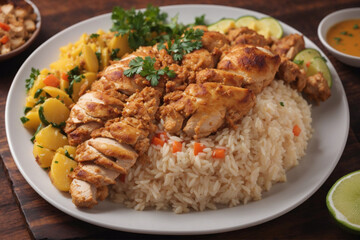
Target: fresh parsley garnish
{"points": [[29, 83], [56, 162], [40, 101], [145, 67], [36, 132], [356, 26], [27, 109], [74, 76], [337, 40], [200, 20], [190, 41], [98, 56], [282, 104], [299, 62], [24, 119], [71, 169], [46, 122], [94, 35], [37, 93], [67, 154], [114, 53], [40, 146]]}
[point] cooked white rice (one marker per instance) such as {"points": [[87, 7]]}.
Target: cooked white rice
{"points": [[258, 154]]}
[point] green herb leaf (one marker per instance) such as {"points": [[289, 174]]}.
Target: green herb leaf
{"points": [[29, 83], [74, 76], [36, 132], [200, 20], [282, 104], [98, 56], [299, 62], [337, 39], [114, 53], [56, 162], [42, 116], [356, 26], [71, 169], [40, 146], [40, 101], [24, 119], [27, 109], [67, 154], [94, 35], [37, 93]]}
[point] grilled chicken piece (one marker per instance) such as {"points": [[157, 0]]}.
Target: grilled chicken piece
{"points": [[94, 174], [89, 113], [220, 76], [208, 106], [291, 74], [257, 65], [317, 88], [180, 81], [214, 40], [289, 46], [83, 193], [198, 60], [246, 36]]}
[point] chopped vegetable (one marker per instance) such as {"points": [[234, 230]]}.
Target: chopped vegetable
{"points": [[177, 147], [162, 135], [198, 148], [30, 81], [145, 67], [157, 141], [218, 153], [4, 39], [38, 92], [282, 104], [65, 76], [94, 35], [114, 53], [24, 119], [4, 26], [73, 76], [296, 130]]}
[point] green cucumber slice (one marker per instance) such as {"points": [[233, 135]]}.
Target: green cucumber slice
{"points": [[318, 64], [222, 25], [246, 21]]}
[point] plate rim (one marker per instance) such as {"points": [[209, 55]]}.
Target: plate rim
{"points": [[178, 232]]}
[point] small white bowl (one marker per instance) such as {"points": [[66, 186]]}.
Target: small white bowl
{"points": [[329, 21]]}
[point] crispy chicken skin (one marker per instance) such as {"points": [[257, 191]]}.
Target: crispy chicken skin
{"points": [[292, 74], [257, 65], [246, 36], [317, 88], [206, 106], [289, 46]]}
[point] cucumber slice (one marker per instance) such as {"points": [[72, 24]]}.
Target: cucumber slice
{"points": [[222, 26], [269, 27], [318, 64], [246, 21], [304, 57]]}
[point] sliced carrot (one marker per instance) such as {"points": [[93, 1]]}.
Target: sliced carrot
{"points": [[51, 80], [218, 153], [157, 141], [4, 39], [296, 130], [177, 147], [198, 148], [65, 76], [4, 26]]}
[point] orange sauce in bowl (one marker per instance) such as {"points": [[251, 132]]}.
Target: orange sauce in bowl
{"points": [[345, 37]]}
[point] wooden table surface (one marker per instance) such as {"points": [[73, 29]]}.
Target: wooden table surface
{"points": [[24, 214]]}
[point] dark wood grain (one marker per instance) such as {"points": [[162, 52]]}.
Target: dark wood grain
{"points": [[24, 214]]}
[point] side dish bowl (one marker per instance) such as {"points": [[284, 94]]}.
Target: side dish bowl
{"points": [[329, 21], [20, 49]]}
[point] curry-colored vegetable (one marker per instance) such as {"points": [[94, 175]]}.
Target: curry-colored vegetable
{"points": [[55, 111], [91, 61], [121, 43], [56, 92], [79, 88], [43, 156], [61, 167], [34, 120], [50, 137], [70, 149]]}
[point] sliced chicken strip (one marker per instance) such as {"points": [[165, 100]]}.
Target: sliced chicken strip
{"points": [[82, 132], [289, 46], [246, 36], [220, 76], [256, 64], [95, 174], [83, 194]]}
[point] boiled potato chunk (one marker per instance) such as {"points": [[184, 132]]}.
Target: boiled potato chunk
{"points": [[70, 149], [55, 92], [34, 119], [43, 156], [64, 84], [55, 111], [104, 58], [51, 138], [91, 61], [79, 88], [61, 167], [120, 42]]}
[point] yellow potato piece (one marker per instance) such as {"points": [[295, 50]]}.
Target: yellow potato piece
{"points": [[38, 84], [34, 120], [79, 88], [54, 92], [61, 167], [105, 58], [55, 111], [64, 84], [90, 59], [30, 101], [43, 156], [50, 137], [121, 43], [71, 150]]}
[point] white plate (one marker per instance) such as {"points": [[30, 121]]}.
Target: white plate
{"points": [[330, 121]]}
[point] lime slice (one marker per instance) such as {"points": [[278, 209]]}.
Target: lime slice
{"points": [[246, 21], [222, 26], [318, 64], [269, 27], [343, 201], [305, 56]]}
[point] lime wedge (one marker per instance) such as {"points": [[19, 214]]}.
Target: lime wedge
{"points": [[305, 56], [246, 21], [223, 26], [343, 201], [269, 27], [318, 64]]}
